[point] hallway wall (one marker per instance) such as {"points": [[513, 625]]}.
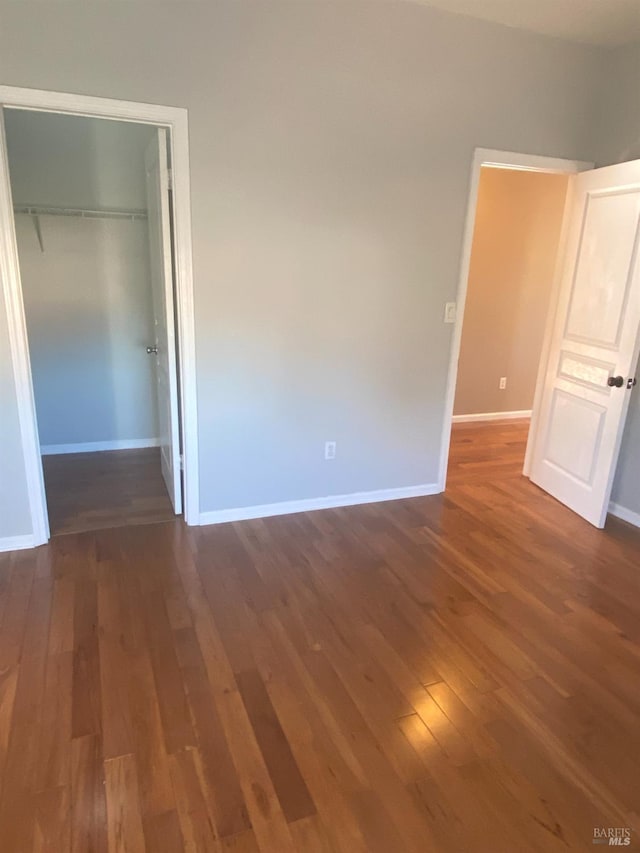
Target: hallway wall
{"points": [[515, 243]]}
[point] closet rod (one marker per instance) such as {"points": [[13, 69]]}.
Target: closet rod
{"points": [[38, 210]]}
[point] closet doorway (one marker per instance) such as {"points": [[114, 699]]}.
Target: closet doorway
{"points": [[95, 232]]}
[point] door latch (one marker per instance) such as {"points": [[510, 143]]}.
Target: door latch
{"points": [[152, 350], [631, 382]]}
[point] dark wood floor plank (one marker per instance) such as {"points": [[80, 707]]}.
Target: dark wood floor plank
{"points": [[219, 782], [54, 753], [62, 614], [289, 785], [115, 663], [86, 691], [163, 833], [88, 796], [257, 787], [172, 701]]}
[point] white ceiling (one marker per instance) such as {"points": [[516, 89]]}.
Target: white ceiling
{"points": [[605, 22]]}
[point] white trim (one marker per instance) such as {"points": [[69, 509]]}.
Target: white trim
{"points": [[95, 446], [491, 416], [10, 274], [18, 543], [624, 513], [44, 100], [497, 159], [176, 120], [529, 162], [310, 504]]}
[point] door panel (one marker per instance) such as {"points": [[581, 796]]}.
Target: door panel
{"points": [[572, 415], [605, 253], [595, 337], [157, 184]]}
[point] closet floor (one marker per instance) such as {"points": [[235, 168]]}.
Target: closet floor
{"points": [[115, 488]]}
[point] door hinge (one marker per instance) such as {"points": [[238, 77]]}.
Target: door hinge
{"points": [[181, 462], [170, 179]]}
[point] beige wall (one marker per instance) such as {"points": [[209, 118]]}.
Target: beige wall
{"points": [[518, 220]]}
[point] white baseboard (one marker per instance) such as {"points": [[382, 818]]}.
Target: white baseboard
{"points": [[310, 504], [624, 513], [491, 416], [93, 446], [17, 543]]}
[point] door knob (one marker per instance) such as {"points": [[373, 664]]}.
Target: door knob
{"points": [[152, 350]]}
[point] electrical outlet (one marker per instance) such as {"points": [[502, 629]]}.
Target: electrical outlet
{"points": [[503, 383], [329, 450], [450, 312]]}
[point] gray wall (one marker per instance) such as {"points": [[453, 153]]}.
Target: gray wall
{"points": [[619, 140], [626, 486], [87, 295], [330, 148], [89, 318], [69, 161], [618, 117], [513, 257]]}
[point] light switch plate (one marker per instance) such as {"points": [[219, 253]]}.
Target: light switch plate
{"points": [[450, 312]]}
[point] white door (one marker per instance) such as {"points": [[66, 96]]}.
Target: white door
{"points": [[163, 313], [594, 344]]}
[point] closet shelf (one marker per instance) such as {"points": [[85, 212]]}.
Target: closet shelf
{"points": [[37, 210]]}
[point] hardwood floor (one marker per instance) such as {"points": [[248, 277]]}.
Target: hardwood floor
{"points": [[89, 491], [487, 450], [454, 673]]}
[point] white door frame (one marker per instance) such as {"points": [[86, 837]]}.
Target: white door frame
{"points": [[175, 120], [505, 160]]}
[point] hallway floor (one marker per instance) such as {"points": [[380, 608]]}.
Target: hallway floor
{"points": [[487, 451]]}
